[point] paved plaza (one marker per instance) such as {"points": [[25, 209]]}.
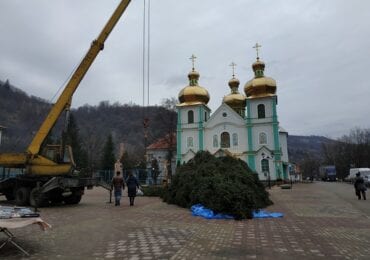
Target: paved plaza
{"points": [[322, 221]]}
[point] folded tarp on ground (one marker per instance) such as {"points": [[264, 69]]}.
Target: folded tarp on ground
{"points": [[200, 210], [266, 214]]}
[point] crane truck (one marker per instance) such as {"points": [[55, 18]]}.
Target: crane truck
{"points": [[46, 173]]}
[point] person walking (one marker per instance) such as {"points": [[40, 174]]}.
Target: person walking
{"points": [[360, 187], [132, 184], [118, 185]]}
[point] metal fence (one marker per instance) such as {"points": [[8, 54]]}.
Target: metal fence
{"points": [[144, 176], [6, 173]]}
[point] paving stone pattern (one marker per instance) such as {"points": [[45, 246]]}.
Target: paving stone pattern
{"points": [[322, 221]]}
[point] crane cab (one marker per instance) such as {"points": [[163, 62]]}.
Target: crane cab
{"points": [[56, 153]]}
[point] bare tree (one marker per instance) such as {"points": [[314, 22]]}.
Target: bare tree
{"points": [[309, 166], [169, 120], [349, 151]]}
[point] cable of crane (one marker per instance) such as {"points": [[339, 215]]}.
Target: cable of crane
{"points": [[148, 53], [65, 81], [144, 43], [146, 67]]}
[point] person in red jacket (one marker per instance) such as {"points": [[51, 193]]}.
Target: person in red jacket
{"points": [[118, 185]]}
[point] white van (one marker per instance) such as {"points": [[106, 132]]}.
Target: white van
{"points": [[364, 173]]}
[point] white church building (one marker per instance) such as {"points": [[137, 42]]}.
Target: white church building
{"points": [[243, 126]]}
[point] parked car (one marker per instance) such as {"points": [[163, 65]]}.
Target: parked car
{"points": [[367, 180]]}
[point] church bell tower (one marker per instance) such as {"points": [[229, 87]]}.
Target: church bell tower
{"points": [[264, 153], [192, 113]]}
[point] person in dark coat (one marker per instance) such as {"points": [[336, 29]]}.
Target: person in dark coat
{"points": [[360, 187], [118, 185], [132, 184]]}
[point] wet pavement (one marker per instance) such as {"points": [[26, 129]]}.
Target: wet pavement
{"points": [[321, 221]]}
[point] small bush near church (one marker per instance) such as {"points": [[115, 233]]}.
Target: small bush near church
{"points": [[152, 191], [225, 185]]}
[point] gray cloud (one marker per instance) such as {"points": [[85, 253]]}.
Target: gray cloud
{"points": [[316, 50]]}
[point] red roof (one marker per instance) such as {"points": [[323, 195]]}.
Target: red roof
{"points": [[163, 143]]}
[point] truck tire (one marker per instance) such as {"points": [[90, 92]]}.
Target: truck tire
{"points": [[9, 195], [73, 199], [56, 197], [22, 196], [38, 199]]}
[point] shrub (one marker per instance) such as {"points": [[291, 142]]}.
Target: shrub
{"points": [[152, 191], [225, 185]]}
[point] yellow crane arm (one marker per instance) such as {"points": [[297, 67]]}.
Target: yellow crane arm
{"points": [[96, 46]]}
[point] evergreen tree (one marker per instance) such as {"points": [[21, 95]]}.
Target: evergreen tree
{"points": [[49, 139], [169, 120], [108, 159], [225, 185], [72, 138], [127, 161], [350, 151]]}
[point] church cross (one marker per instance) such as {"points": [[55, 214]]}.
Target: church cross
{"points": [[233, 65], [257, 46], [193, 59]]}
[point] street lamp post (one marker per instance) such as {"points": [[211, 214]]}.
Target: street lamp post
{"points": [[267, 174], [268, 171], [291, 171]]}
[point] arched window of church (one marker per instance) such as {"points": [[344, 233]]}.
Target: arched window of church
{"points": [[235, 139], [215, 141], [190, 142], [190, 116], [205, 116], [263, 138], [261, 111], [225, 140], [265, 165]]}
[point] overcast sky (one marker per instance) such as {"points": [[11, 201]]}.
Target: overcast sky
{"points": [[317, 51]]}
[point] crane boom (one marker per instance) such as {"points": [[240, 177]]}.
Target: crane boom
{"points": [[63, 100], [49, 176]]}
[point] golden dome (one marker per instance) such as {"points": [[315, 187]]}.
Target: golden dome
{"points": [[193, 94], [260, 86], [234, 83], [258, 65], [193, 75], [235, 100]]}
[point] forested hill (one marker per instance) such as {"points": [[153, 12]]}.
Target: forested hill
{"points": [[299, 147], [22, 115]]}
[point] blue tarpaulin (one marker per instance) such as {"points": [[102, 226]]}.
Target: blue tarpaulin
{"points": [[266, 214], [200, 210]]}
